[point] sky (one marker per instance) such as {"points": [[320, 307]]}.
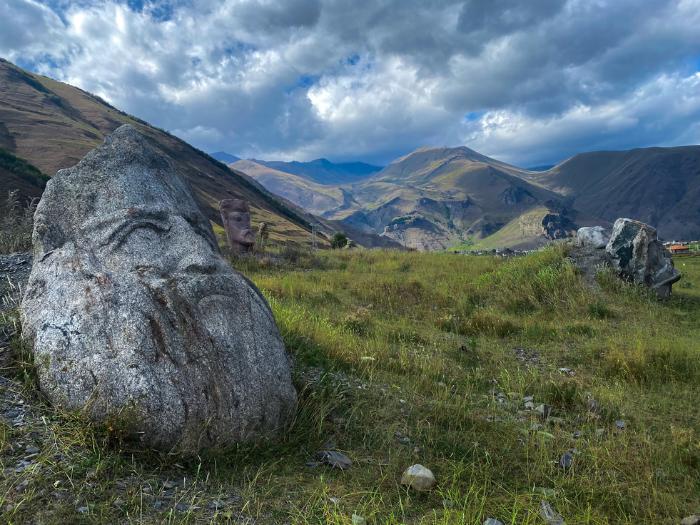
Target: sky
{"points": [[529, 83]]}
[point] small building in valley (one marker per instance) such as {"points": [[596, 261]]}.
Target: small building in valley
{"points": [[677, 249]]}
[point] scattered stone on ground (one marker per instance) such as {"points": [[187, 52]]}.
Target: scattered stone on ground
{"points": [[358, 520], [593, 405], [492, 521], [543, 410], [566, 460], [549, 515], [401, 438], [335, 459], [637, 255], [595, 237], [134, 272], [691, 520], [620, 424], [418, 478], [527, 357]]}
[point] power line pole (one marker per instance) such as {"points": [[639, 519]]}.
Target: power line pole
{"points": [[313, 237]]}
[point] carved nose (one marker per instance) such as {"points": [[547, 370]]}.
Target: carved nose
{"points": [[197, 261], [194, 254]]}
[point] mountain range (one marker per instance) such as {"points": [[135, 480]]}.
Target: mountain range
{"points": [[435, 198], [431, 198]]}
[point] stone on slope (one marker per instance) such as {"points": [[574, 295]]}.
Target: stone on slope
{"points": [[135, 318], [637, 255], [549, 515], [335, 459], [418, 477], [557, 226], [593, 236], [235, 216]]}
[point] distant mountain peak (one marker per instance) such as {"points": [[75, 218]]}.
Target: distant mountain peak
{"points": [[445, 152], [324, 171], [224, 157]]}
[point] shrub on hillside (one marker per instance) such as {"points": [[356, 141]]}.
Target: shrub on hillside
{"points": [[16, 224], [339, 240]]}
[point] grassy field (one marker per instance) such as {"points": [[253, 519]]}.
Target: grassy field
{"points": [[406, 358]]}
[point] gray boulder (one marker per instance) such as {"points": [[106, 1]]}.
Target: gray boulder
{"points": [[135, 318], [637, 255], [593, 237]]}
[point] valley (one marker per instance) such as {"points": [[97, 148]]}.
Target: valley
{"points": [[444, 198]]}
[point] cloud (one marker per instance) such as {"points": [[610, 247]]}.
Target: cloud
{"points": [[657, 113], [539, 81]]}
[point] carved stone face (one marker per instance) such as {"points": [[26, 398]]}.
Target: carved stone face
{"points": [[135, 314], [235, 214]]}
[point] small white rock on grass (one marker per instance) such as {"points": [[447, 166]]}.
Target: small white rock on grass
{"points": [[358, 520], [418, 478], [549, 515]]}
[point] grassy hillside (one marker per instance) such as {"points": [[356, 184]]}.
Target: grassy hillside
{"points": [[660, 186], [53, 125], [18, 174], [524, 232], [406, 358], [311, 196]]}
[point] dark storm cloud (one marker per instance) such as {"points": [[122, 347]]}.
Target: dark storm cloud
{"points": [[307, 78]]}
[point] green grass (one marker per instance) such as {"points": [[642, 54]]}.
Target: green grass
{"points": [[526, 227], [391, 345]]}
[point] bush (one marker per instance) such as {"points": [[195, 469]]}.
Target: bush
{"points": [[339, 240], [16, 225]]}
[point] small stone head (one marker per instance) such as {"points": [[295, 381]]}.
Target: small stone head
{"points": [[235, 214]]}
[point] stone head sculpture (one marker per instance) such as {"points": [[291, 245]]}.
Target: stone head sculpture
{"points": [[235, 215], [135, 316]]}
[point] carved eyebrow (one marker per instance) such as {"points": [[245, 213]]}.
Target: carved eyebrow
{"points": [[130, 220], [133, 218], [120, 234]]}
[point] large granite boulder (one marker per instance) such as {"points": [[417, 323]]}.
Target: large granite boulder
{"points": [[135, 318], [637, 255], [593, 237]]}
